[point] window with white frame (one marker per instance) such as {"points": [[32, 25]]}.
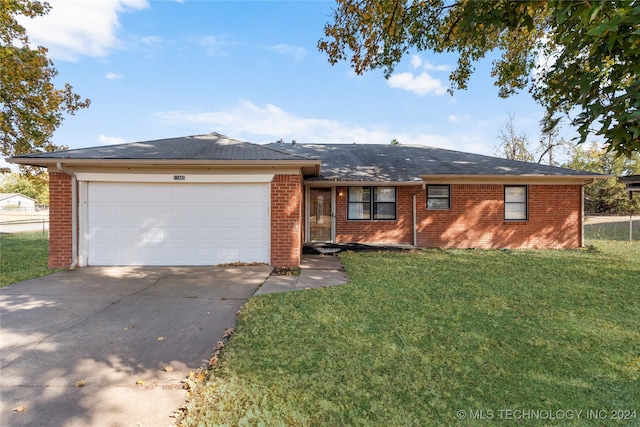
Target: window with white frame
{"points": [[367, 203], [438, 197], [515, 202]]}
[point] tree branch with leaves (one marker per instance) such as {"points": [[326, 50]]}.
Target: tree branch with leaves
{"points": [[32, 108], [592, 50]]}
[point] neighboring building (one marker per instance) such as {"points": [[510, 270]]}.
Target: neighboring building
{"points": [[632, 183], [16, 201], [210, 199]]}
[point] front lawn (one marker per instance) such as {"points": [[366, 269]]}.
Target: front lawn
{"points": [[440, 337], [23, 256]]}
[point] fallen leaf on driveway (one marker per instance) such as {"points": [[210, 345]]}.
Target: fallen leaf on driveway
{"points": [[139, 382], [227, 333], [196, 375], [129, 327], [168, 369], [80, 383], [20, 408], [161, 338]]}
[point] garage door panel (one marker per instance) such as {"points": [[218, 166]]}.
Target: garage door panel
{"points": [[179, 255], [228, 255], [203, 213], [155, 211], [202, 233], [177, 224], [128, 253], [179, 234], [104, 233], [154, 235], [229, 233], [202, 256], [179, 212], [128, 212], [132, 193], [252, 238], [129, 235], [104, 192], [254, 212], [104, 212], [106, 256]]}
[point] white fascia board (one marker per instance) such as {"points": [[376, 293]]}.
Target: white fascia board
{"points": [[512, 179], [175, 178], [318, 183]]}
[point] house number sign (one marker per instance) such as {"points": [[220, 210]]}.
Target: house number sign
{"points": [[179, 178]]}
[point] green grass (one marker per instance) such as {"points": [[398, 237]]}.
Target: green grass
{"points": [[415, 338], [23, 256]]}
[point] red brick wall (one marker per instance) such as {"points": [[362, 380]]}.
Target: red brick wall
{"points": [[60, 235], [286, 220], [475, 220], [380, 231]]}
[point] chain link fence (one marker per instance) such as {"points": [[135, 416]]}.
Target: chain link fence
{"points": [[16, 220], [620, 228]]}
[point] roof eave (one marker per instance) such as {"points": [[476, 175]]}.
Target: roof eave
{"points": [[309, 167], [513, 178], [347, 183]]}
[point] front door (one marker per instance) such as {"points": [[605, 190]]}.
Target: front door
{"points": [[320, 215]]}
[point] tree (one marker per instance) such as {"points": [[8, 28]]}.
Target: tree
{"points": [[32, 107], [35, 186], [609, 195], [513, 145], [590, 52], [550, 148]]}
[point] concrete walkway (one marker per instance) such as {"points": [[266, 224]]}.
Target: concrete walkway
{"points": [[317, 271]]}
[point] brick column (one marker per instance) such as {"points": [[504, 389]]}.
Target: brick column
{"points": [[60, 224], [286, 220]]}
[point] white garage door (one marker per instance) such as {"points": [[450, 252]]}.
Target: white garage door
{"points": [[177, 224]]}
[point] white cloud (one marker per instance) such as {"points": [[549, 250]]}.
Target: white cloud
{"points": [[430, 67], [11, 166], [421, 84], [213, 45], [298, 53], [455, 118], [110, 140], [112, 76], [77, 28], [416, 61], [151, 41], [268, 123]]}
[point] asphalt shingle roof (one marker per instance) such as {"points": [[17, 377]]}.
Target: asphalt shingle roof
{"points": [[340, 162], [402, 163], [211, 146]]}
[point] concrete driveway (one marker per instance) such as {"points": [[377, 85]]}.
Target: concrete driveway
{"points": [[109, 328]]}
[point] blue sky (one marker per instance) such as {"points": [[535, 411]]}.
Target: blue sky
{"points": [[251, 70]]}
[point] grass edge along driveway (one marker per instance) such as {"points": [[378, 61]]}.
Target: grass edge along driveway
{"points": [[23, 256], [440, 337]]}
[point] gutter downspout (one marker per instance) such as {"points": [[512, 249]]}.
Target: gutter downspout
{"points": [[415, 221], [415, 215], [582, 216], [587, 182], [74, 214]]}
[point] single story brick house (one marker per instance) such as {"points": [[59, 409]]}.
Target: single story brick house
{"points": [[210, 199]]}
